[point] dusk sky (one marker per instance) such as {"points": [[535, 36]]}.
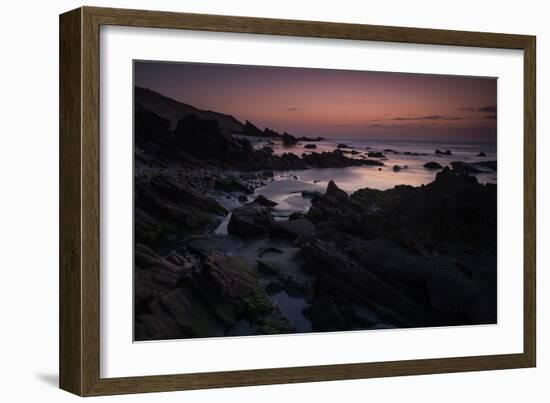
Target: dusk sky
{"points": [[334, 103]]}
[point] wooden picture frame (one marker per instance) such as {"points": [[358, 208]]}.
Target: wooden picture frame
{"points": [[79, 201]]}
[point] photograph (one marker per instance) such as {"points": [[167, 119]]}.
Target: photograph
{"points": [[277, 200]]}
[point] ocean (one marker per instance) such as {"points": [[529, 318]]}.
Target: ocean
{"points": [[409, 155]]}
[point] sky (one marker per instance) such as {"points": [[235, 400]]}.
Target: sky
{"points": [[334, 103]]}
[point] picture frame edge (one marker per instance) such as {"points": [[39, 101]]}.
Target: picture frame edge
{"points": [[79, 354]]}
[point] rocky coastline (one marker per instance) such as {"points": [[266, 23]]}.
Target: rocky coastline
{"points": [[404, 257]]}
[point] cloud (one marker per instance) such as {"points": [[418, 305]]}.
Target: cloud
{"points": [[428, 117], [393, 126], [488, 109]]}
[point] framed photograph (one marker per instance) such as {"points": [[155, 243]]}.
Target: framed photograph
{"points": [[249, 201]]}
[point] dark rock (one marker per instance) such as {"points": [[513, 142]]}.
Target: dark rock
{"points": [[335, 159], [340, 276], [264, 201], [396, 168], [488, 164], [267, 174], [249, 221], [448, 152], [230, 184], [269, 249], [300, 228], [304, 138], [243, 198], [295, 216], [268, 267], [270, 133], [325, 315], [310, 146], [342, 145], [250, 130], [464, 167], [166, 205], [432, 165], [335, 193], [309, 194], [376, 154], [474, 167], [482, 154], [177, 259], [289, 140]]}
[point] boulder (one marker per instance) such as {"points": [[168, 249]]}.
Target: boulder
{"points": [[433, 165], [439, 152], [289, 140], [249, 221]]}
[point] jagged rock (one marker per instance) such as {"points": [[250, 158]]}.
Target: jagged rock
{"points": [[271, 133], [335, 193]]}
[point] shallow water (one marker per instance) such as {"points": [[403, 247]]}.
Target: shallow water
{"points": [[354, 178]]}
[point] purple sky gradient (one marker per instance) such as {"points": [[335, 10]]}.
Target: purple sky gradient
{"points": [[334, 103]]}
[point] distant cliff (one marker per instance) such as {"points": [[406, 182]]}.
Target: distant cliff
{"points": [[174, 111]]}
